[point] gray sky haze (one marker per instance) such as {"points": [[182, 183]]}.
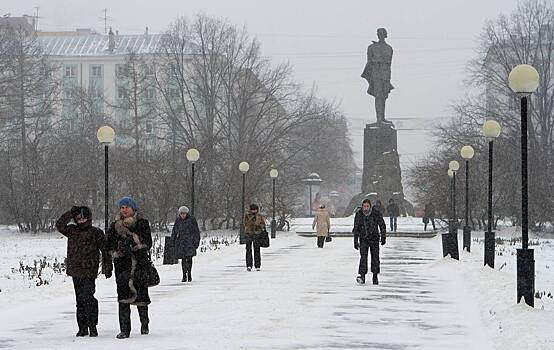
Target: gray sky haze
{"points": [[326, 42]]}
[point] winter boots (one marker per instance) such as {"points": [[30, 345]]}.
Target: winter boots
{"points": [[122, 335], [375, 279], [360, 279], [93, 331], [82, 332]]}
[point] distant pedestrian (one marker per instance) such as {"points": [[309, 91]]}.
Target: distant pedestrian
{"points": [[394, 212], [379, 207], [322, 222], [129, 241], [369, 229], [84, 243], [186, 239], [429, 215], [254, 225]]}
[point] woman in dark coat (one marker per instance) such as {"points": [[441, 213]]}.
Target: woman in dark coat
{"points": [[186, 239], [129, 241], [84, 243]]}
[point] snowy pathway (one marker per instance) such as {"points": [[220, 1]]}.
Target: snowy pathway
{"points": [[303, 298]]}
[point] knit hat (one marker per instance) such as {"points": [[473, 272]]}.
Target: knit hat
{"points": [[128, 202], [183, 209]]}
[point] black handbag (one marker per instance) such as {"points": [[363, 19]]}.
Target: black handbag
{"points": [[263, 239], [328, 238], [152, 276]]}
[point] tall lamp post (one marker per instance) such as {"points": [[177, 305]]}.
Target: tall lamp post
{"points": [[467, 153], [243, 167], [273, 173], [524, 80], [454, 254], [446, 237], [491, 130], [192, 156], [106, 136]]}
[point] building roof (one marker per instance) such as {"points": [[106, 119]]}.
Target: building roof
{"points": [[97, 44]]}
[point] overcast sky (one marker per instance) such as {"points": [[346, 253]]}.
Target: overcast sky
{"points": [[326, 42]]}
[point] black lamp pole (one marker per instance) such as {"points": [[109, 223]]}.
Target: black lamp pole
{"points": [[525, 258], [273, 222], [490, 235], [242, 239], [467, 228], [454, 254], [106, 195], [192, 190]]}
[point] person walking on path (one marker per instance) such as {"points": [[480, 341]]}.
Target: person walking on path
{"points": [[186, 239], [394, 212], [322, 222], [369, 229], [379, 207], [429, 215], [254, 225], [129, 241], [84, 243]]}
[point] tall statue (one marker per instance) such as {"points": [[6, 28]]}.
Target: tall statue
{"points": [[377, 72]]}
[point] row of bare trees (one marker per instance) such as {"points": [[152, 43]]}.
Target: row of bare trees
{"points": [[207, 86], [526, 36]]}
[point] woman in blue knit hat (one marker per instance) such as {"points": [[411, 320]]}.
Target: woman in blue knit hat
{"points": [[129, 240]]}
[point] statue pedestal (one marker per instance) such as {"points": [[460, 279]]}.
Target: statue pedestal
{"points": [[382, 176]]}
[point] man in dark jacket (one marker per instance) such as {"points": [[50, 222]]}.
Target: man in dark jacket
{"points": [[186, 239], [129, 241], [394, 212], [84, 243], [367, 224]]}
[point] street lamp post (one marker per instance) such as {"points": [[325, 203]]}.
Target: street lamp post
{"points": [[106, 136], [273, 173], [243, 167], [453, 228], [446, 237], [524, 80], [491, 130], [192, 156], [467, 153]]}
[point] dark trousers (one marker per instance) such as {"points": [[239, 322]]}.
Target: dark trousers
{"points": [[373, 248], [393, 223], [125, 317], [87, 305], [186, 265], [433, 222], [320, 241], [252, 241]]}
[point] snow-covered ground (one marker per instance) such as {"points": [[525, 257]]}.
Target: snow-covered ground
{"points": [[304, 297]]}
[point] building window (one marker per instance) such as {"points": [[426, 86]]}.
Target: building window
{"points": [[97, 71], [120, 70], [150, 69], [69, 71], [149, 127], [121, 92]]}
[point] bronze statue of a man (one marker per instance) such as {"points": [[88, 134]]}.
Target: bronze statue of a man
{"points": [[377, 72]]}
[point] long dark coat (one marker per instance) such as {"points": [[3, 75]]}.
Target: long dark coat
{"points": [[185, 237], [129, 242], [84, 243], [371, 227]]}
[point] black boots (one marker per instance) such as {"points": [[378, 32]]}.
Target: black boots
{"points": [[122, 335], [375, 279], [144, 329], [93, 331], [184, 277], [360, 279], [82, 332]]}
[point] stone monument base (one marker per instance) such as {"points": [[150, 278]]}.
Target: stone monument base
{"points": [[382, 176]]}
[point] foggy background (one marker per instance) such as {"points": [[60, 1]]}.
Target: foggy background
{"points": [[326, 42]]}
